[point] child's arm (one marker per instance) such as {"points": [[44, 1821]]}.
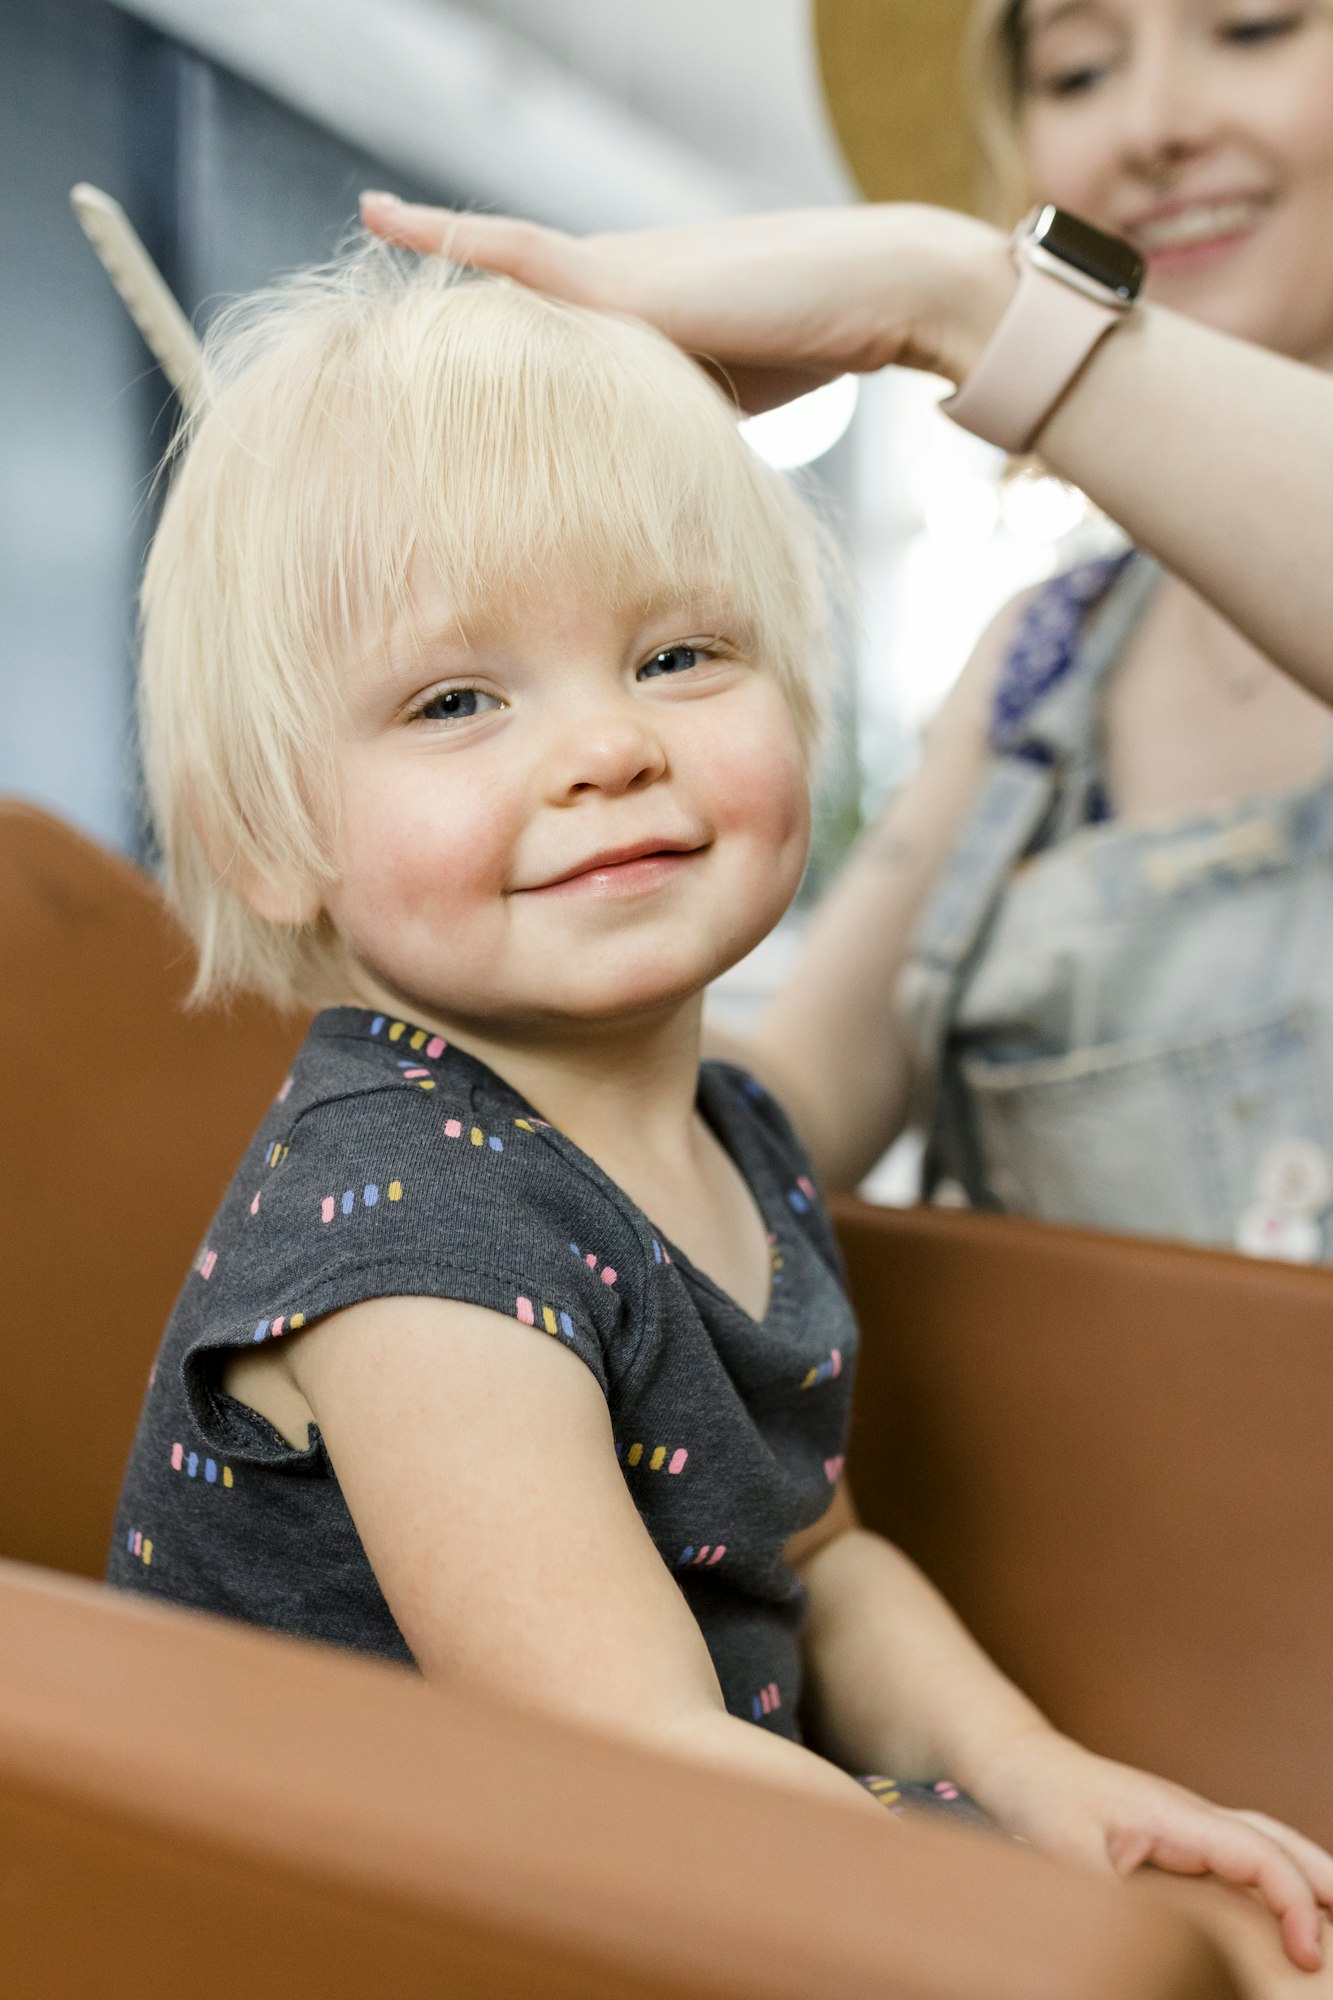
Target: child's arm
{"points": [[895, 1684], [476, 1458]]}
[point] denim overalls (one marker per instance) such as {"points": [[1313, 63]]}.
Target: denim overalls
{"points": [[1125, 1027]]}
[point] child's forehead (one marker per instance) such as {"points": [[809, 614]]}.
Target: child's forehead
{"points": [[433, 616]]}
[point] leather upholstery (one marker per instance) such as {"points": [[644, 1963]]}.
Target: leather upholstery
{"points": [[187, 1806], [1113, 1457], [123, 1118]]}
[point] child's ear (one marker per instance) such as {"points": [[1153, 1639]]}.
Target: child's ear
{"points": [[291, 904], [290, 900]]}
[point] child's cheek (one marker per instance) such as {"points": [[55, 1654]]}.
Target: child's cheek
{"points": [[764, 789], [419, 846]]}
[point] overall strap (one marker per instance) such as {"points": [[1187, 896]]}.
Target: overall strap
{"points": [[1064, 729], [1045, 649], [1042, 733]]}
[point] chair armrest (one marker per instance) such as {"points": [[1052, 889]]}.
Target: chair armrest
{"points": [[192, 1802]]}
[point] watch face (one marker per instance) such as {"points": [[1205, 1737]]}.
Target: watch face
{"points": [[1107, 260]]}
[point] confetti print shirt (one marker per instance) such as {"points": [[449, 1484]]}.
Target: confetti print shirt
{"points": [[393, 1164]]}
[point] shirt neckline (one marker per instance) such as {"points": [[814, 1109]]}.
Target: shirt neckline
{"points": [[720, 1085]]}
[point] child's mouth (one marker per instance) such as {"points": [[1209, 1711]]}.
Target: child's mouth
{"points": [[624, 871]]}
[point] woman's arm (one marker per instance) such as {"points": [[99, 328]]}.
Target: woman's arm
{"points": [[477, 1462], [1212, 453], [1216, 457], [832, 1044], [896, 1684]]}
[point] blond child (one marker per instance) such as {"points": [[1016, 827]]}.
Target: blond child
{"points": [[479, 694]]}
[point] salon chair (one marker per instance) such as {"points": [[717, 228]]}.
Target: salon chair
{"points": [[1109, 1454]]}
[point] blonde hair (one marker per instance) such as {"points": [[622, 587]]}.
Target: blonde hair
{"points": [[993, 59], [372, 422]]}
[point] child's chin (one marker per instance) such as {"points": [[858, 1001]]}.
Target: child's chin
{"points": [[633, 994]]}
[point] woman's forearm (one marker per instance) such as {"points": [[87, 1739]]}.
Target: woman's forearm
{"points": [[1217, 457], [894, 1682], [1213, 454]]}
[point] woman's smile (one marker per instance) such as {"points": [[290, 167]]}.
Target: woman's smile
{"points": [[1189, 233]]}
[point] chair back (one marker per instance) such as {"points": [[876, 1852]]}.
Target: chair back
{"points": [[123, 1118]]}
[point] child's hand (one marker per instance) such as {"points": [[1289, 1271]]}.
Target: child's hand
{"points": [[1078, 1807]]}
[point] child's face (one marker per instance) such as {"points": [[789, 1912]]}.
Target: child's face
{"points": [[581, 814]]}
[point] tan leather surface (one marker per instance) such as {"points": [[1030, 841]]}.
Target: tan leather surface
{"points": [[122, 1120], [1114, 1457], [187, 1806]]}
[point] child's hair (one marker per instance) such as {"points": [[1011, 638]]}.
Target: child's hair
{"points": [[382, 421]]}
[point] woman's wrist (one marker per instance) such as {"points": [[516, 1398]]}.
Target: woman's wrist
{"points": [[978, 278], [947, 280]]}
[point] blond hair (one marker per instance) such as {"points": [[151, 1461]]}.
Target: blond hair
{"points": [[384, 420], [993, 55], [993, 59]]}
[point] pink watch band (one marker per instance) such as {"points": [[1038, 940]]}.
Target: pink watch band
{"points": [[1046, 334]]}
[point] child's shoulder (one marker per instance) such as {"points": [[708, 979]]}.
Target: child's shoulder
{"points": [[358, 1068], [390, 1163], [372, 1091]]}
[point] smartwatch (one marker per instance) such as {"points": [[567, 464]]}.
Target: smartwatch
{"points": [[1074, 284]]}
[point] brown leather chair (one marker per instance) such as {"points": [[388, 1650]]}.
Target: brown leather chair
{"points": [[1114, 1458], [122, 1119], [187, 1806], [1109, 1455]]}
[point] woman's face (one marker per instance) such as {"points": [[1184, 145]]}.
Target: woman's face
{"points": [[1203, 131]]}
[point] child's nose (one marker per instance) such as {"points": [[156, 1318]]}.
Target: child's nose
{"points": [[605, 750]]}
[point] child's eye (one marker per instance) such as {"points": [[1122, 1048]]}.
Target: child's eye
{"points": [[673, 660], [455, 705], [1262, 28]]}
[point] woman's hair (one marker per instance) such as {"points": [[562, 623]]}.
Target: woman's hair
{"points": [[993, 57], [385, 423], [994, 65]]}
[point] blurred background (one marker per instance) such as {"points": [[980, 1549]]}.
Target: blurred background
{"points": [[237, 137]]}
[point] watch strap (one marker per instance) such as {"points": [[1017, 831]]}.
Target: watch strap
{"points": [[1046, 334]]}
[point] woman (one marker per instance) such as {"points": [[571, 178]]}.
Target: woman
{"points": [[1105, 902]]}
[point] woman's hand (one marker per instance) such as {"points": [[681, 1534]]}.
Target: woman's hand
{"points": [[776, 304], [1079, 1807]]}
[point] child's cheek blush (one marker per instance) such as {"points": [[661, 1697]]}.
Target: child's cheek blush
{"points": [[763, 787]]}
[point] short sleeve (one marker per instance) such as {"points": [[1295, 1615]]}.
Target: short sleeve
{"points": [[391, 1191]]}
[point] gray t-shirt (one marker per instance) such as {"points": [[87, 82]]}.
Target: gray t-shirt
{"points": [[391, 1163]]}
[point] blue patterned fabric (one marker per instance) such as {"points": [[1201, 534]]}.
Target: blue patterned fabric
{"points": [[1043, 652]]}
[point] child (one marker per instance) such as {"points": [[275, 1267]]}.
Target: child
{"points": [[477, 704]]}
